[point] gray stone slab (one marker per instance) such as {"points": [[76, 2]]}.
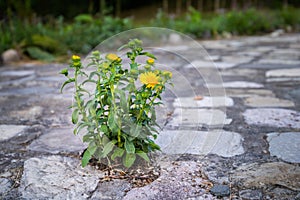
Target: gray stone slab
{"points": [[209, 64], [114, 190], [283, 79], [10, 131], [295, 93], [237, 59], [5, 186], [285, 146], [294, 72], [215, 45], [250, 52], [58, 140], [241, 93], [35, 90], [276, 117], [198, 117], [218, 142], [235, 84], [279, 61], [28, 114], [56, 177], [258, 101], [17, 73], [175, 182], [225, 65], [189, 102], [251, 194], [257, 65], [261, 175], [212, 58], [244, 72]]}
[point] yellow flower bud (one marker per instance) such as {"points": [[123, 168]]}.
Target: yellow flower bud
{"points": [[167, 74], [150, 61], [147, 67], [113, 57], [75, 58]]}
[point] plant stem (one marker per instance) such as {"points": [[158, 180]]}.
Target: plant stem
{"points": [[78, 101]]}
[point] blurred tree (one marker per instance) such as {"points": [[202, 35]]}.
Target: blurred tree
{"points": [[178, 7], [200, 5], [165, 6], [118, 8]]}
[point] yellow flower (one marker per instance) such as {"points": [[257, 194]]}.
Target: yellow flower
{"points": [[149, 79], [75, 58], [113, 57], [167, 74], [150, 61]]}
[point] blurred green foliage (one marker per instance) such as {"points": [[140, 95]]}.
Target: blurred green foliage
{"points": [[57, 37], [36, 37], [246, 22]]}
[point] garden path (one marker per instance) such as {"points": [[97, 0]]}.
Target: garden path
{"points": [[236, 137]]}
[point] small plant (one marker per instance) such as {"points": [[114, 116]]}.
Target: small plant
{"points": [[118, 118]]}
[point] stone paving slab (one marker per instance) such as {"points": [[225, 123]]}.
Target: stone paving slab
{"points": [[218, 142], [295, 72], [235, 84], [174, 183], [279, 61], [257, 101], [183, 117], [274, 173], [275, 117], [243, 93], [285, 146], [10, 131], [209, 64], [206, 101], [58, 140], [57, 177]]}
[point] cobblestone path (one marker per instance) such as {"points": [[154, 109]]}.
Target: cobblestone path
{"points": [[230, 135]]}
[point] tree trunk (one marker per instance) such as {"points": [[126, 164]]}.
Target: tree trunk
{"points": [[188, 4], [200, 5], [165, 6], [178, 7], [91, 6], [102, 7], [233, 4], [118, 8], [217, 5]]}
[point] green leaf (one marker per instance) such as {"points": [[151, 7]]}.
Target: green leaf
{"points": [[144, 156], [129, 159], [129, 146], [104, 128], [112, 122], [118, 152], [135, 130], [75, 116], [122, 47], [148, 54], [64, 71], [87, 138], [108, 148], [88, 155], [153, 146], [134, 66], [67, 82], [123, 101]]}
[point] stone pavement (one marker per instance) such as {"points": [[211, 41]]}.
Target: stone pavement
{"points": [[237, 137]]}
